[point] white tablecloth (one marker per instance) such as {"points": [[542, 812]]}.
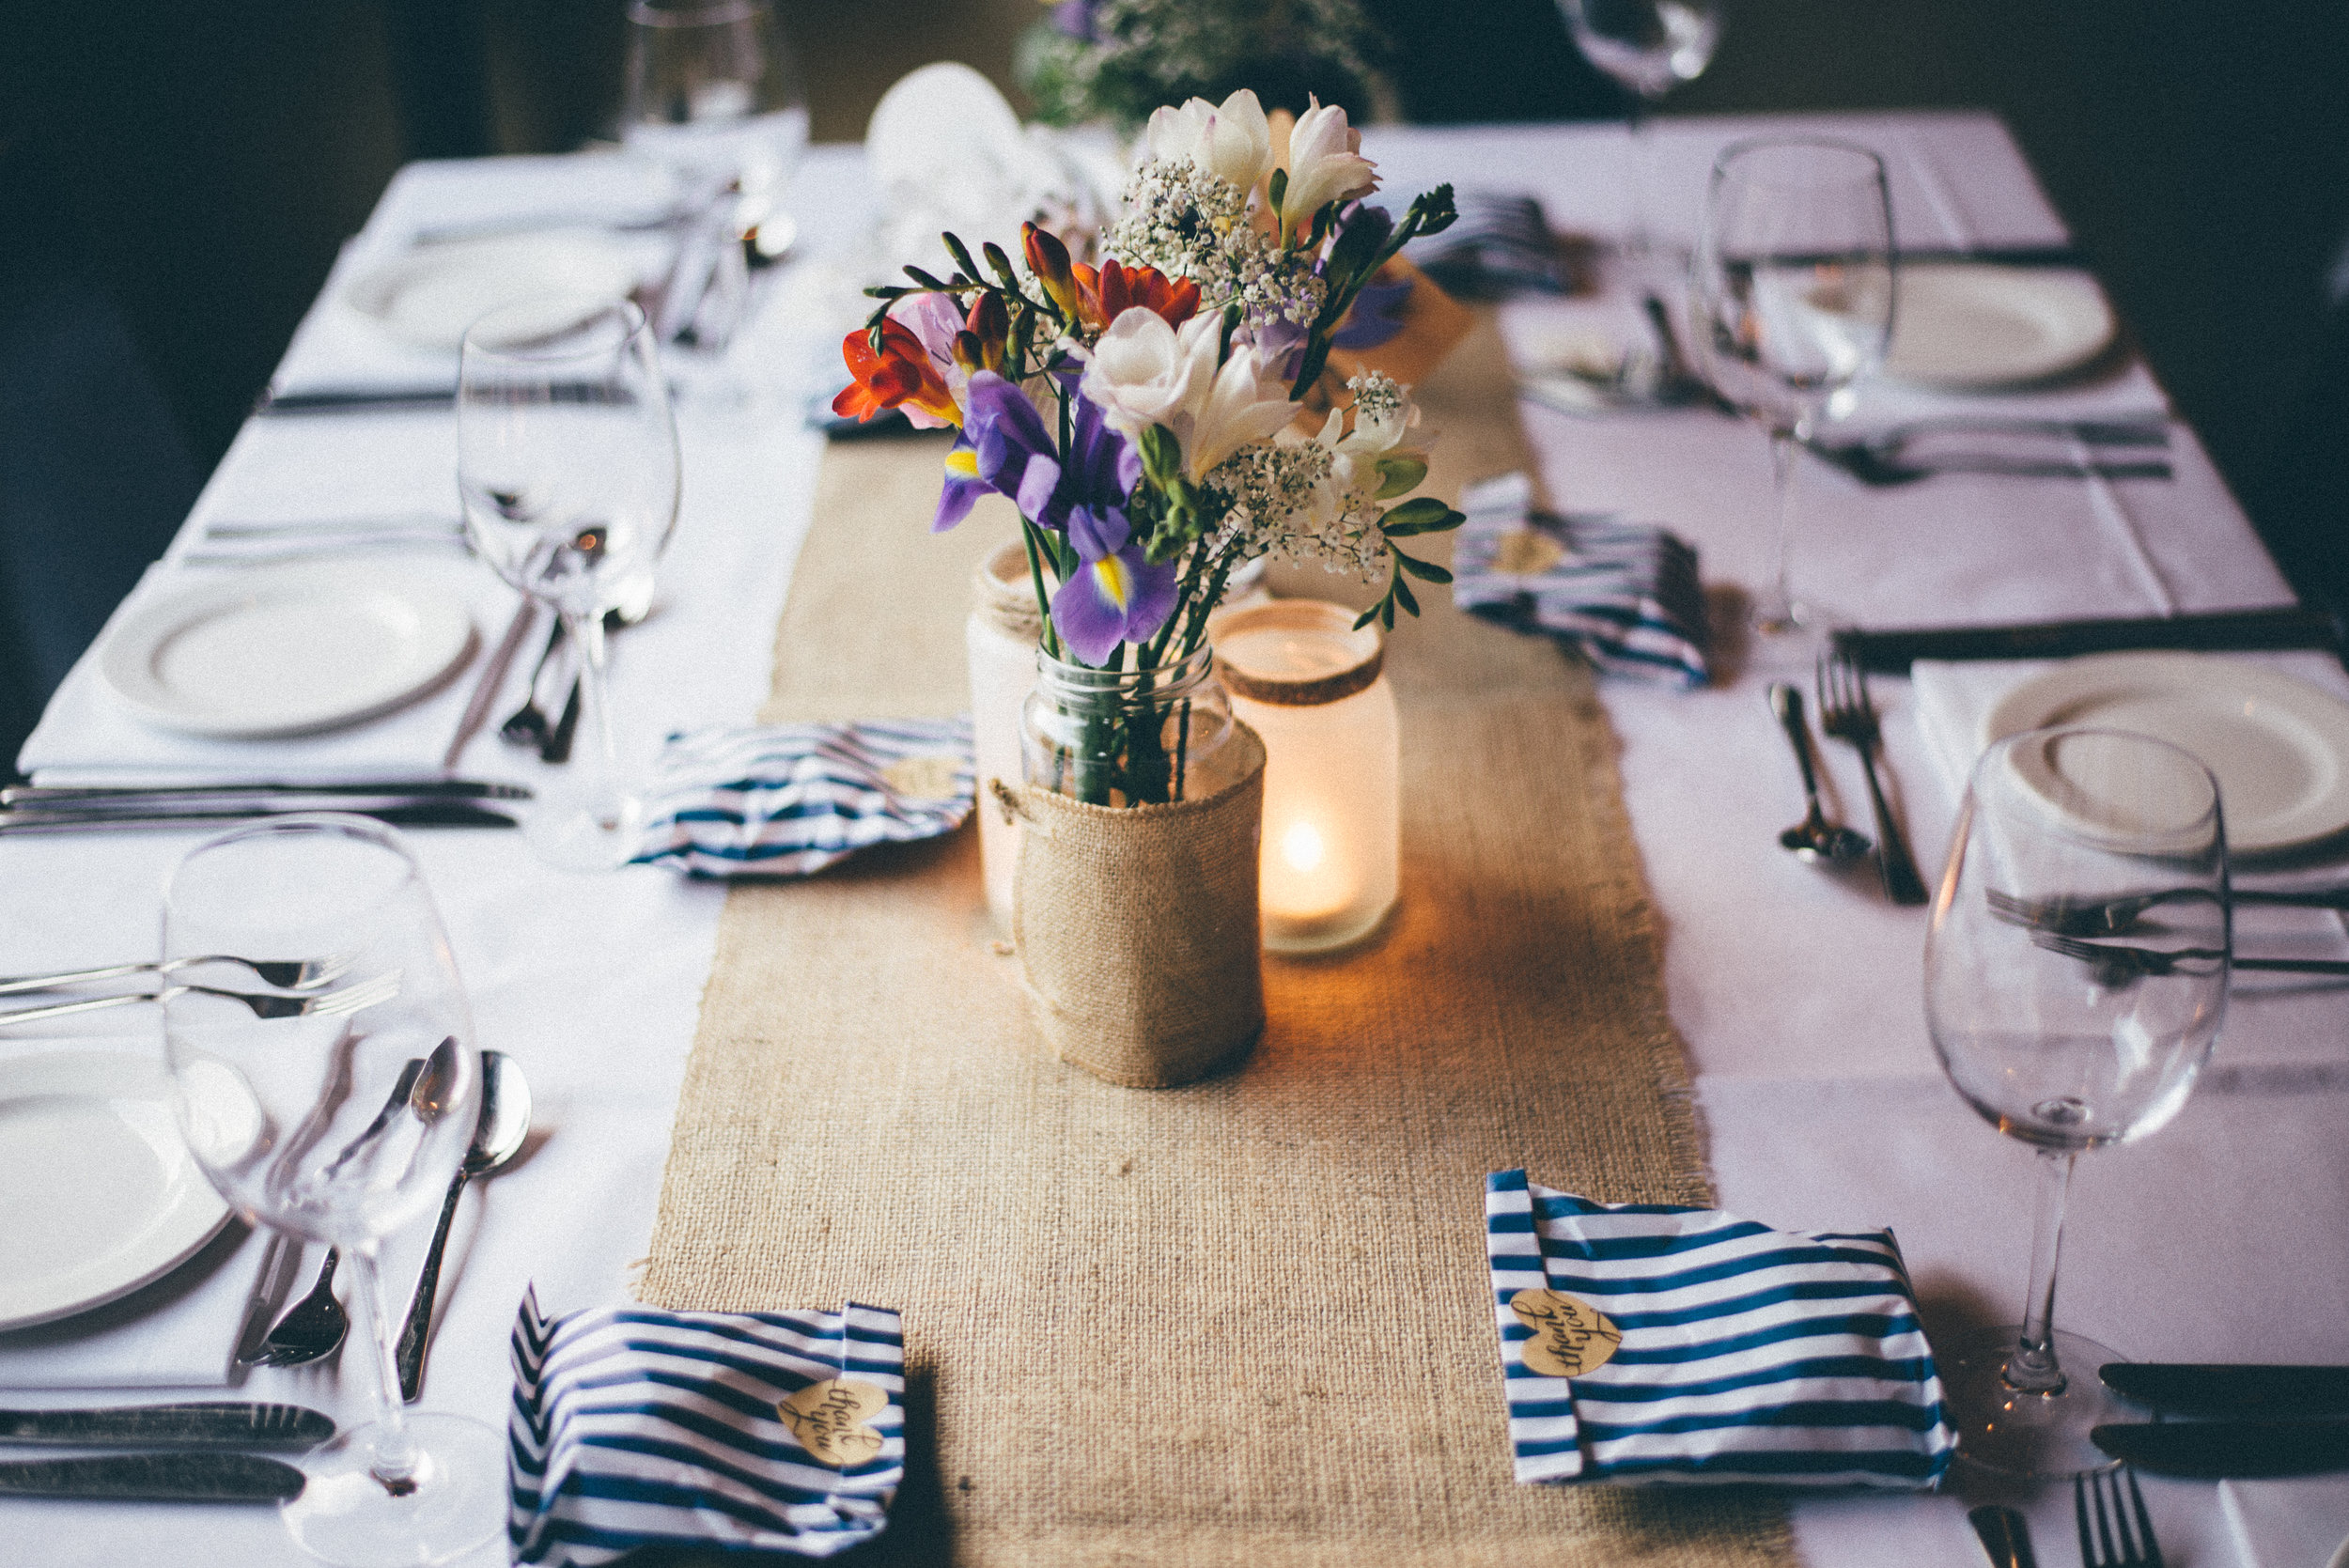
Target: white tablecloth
{"points": [[2225, 1237]]}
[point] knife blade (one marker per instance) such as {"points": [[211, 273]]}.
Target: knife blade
{"points": [[434, 814], [427, 787], [2215, 1450], [1891, 652], [2261, 1392], [219, 1424], [156, 1477]]}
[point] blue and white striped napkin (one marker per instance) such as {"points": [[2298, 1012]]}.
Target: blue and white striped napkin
{"points": [[1625, 594], [632, 1427], [787, 800], [1747, 1354]]}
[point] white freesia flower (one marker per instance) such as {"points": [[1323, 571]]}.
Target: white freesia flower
{"points": [[1145, 372], [1248, 402], [1326, 165], [1232, 142]]}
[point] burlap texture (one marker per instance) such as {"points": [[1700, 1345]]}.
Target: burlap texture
{"points": [[1137, 927], [1248, 1321]]}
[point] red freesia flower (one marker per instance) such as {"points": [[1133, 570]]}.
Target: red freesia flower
{"points": [[901, 373], [1105, 295], [1047, 258]]}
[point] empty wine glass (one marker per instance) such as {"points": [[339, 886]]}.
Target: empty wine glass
{"points": [[341, 1125], [2069, 1046], [567, 469], [713, 95], [1649, 47], [1794, 286]]}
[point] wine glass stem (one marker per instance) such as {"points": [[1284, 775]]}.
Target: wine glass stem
{"points": [[1639, 239], [596, 712], [1778, 608], [394, 1461], [2032, 1368]]}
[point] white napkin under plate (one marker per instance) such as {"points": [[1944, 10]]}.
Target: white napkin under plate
{"points": [[88, 736], [179, 1331]]}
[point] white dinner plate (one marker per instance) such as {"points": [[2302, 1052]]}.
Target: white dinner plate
{"points": [[284, 650], [98, 1194], [1969, 326], [429, 296], [2341, 1557], [2278, 747]]}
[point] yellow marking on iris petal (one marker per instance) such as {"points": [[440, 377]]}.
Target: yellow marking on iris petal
{"points": [[963, 464], [1110, 572]]}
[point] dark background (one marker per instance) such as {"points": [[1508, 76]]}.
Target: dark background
{"points": [[190, 165]]}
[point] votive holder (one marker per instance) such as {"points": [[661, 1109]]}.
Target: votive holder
{"points": [[1314, 687]]}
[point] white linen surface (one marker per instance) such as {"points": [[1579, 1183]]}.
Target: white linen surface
{"points": [[1797, 992]]}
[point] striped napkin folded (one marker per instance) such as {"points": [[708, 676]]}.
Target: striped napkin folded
{"points": [[777, 1432], [787, 800], [1645, 1342], [1625, 594]]}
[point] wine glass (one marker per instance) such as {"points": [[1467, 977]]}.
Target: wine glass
{"points": [[2065, 1044], [1794, 286], [567, 469], [340, 1124], [1649, 47], [713, 95]]}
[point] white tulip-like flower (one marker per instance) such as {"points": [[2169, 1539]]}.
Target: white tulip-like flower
{"points": [[1144, 372], [1231, 141], [1326, 165], [1383, 414]]}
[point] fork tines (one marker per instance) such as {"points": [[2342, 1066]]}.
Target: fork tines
{"points": [[2123, 1537]]}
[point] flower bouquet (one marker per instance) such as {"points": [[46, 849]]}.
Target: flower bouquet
{"points": [[1143, 415]]}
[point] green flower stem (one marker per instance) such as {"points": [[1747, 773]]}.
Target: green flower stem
{"points": [[1036, 575]]}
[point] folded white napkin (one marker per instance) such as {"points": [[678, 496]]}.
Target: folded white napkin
{"points": [[89, 736], [2287, 1523]]}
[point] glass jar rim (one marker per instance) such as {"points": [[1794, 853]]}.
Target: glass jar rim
{"points": [[1159, 682], [1361, 651]]}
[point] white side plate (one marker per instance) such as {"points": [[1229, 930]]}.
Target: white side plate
{"points": [[1967, 326], [285, 651], [2278, 747], [97, 1193], [429, 296]]}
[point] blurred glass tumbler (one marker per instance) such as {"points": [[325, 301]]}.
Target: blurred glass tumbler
{"points": [[1314, 687]]}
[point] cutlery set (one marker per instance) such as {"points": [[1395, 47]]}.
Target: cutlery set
{"points": [[1847, 713], [206, 1452]]}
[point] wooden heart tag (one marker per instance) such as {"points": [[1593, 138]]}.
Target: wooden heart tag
{"points": [[829, 1420], [1570, 1336]]}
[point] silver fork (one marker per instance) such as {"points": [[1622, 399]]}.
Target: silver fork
{"points": [[1847, 713], [2109, 917], [2117, 963], [289, 974], [2119, 1541], [350, 998]]}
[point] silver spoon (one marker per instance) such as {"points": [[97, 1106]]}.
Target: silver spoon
{"points": [[497, 1138], [1813, 838]]}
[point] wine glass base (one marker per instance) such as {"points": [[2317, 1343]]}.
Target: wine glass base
{"points": [[345, 1515], [571, 835], [2030, 1436]]}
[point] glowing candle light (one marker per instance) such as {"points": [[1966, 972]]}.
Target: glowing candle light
{"points": [[1305, 681]]}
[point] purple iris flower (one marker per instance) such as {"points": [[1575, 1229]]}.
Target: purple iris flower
{"points": [[1116, 595], [963, 485]]}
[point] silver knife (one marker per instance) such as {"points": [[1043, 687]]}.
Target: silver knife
{"points": [[156, 1477], [2004, 1536], [2253, 1392], [486, 690], [433, 786], [409, 814], [2212, 1450], [226, 1424]]}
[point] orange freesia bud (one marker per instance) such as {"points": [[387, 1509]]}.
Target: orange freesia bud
{"points": [[1122, 289], [989, 323], [1047, 258], [900, 373]]}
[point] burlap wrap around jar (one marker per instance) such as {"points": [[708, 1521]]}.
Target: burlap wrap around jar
{"points": [[1138, 926]]}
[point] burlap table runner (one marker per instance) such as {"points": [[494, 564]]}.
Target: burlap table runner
{"points": [[1248, 1321]]}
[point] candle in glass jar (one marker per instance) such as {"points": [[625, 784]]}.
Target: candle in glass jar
{"points": [[1310, 684]]}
